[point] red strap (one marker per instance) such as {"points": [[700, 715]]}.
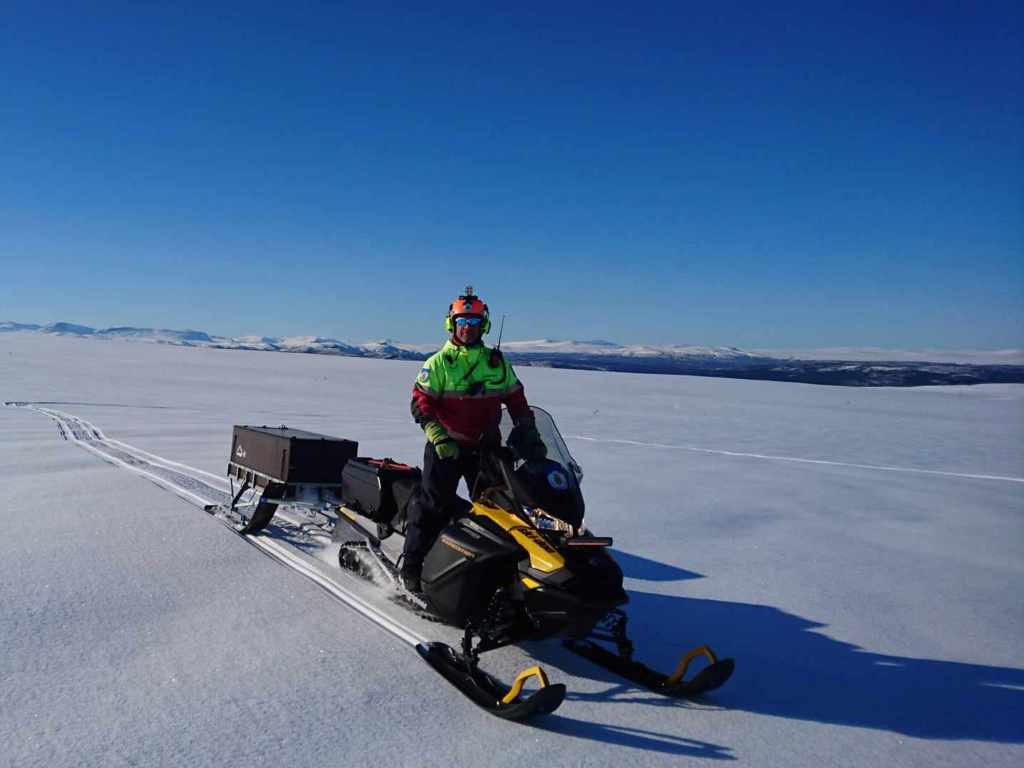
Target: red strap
{"points": [[387, 464]]}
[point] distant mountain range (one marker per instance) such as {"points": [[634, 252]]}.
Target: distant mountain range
{"points": [[600, 355]]}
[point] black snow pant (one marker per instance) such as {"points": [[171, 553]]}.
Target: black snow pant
{"points": [[435, 503]]}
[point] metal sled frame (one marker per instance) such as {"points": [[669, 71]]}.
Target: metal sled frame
{"points": [[316, 501]]}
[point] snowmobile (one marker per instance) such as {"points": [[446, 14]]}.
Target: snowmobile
{"points": [[517, 563]]}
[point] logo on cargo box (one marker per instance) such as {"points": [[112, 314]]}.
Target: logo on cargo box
{"points": [[240, 451]]}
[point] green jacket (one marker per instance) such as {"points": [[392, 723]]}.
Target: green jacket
{"points": [[463, 388]]}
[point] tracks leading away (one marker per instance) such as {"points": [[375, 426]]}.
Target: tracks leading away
{"points": [[200, 488], [800, 460]]}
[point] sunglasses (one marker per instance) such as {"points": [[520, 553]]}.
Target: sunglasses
{"points": [[468, 321]]}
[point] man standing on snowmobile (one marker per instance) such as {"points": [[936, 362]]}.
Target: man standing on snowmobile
{"points": [[457, 400]]}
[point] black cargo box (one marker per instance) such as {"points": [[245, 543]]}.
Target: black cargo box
{"points": [[378, 488], [260, 455]]}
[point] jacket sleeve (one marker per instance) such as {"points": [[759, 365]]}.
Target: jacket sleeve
{"points": [[426, 393], [515, 397]]}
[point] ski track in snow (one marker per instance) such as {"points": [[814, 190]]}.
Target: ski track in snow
{"points": [[200, 488], [797, 459]]}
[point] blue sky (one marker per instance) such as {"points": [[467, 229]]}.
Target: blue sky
{"points": [[811, 174]]}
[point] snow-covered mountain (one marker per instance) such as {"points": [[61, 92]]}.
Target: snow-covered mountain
{"points": [[836, 367], [155, 334], [611, 349], [543, 351], [388, 348], [317, 345], [68, 328], [192, 338], [876, 354]]}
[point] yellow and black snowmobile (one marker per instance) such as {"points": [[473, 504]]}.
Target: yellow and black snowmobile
{"points": [[518, 563]]}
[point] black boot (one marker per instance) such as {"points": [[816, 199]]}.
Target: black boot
{"points": [[411, 577]]}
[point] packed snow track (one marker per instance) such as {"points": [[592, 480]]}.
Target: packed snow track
{"points": [[201, 488]]}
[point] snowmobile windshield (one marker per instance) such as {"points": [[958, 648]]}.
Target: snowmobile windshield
{"points": [[549, 485], [557, 449]]}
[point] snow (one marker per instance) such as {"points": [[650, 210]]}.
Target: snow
{"points": [[860, 552]]}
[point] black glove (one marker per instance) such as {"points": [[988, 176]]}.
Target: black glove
{"points": [[525, 442]]}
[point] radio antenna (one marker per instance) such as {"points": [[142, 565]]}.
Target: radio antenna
{"points": [[501, 329]]}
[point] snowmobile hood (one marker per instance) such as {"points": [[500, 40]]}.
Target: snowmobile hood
{"points": [[543, 556]]}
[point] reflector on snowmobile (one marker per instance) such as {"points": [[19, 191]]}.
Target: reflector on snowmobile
{"points": [[589, 541]]}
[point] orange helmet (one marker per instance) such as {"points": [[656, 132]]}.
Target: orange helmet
{"points": [[468, 304]]}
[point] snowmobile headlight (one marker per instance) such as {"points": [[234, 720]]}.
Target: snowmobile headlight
{"points": [[547, 522]]}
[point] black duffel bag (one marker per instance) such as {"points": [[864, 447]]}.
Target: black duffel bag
{"points": [[379, 489]]}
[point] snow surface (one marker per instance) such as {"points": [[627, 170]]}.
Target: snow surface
{"points": [[860, 552]]}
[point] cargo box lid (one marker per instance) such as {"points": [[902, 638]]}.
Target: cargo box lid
{"points": [[288, 433]]}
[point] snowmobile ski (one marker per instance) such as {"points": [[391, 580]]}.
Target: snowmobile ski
{"points": [[674, 686], [612, 629], [487, 692]]}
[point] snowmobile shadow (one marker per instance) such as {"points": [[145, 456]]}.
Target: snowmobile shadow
{"points": [[786, 668], [643, 569], [633, 737]]}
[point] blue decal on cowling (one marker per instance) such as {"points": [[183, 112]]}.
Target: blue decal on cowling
{"points": [[558, 480]]}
